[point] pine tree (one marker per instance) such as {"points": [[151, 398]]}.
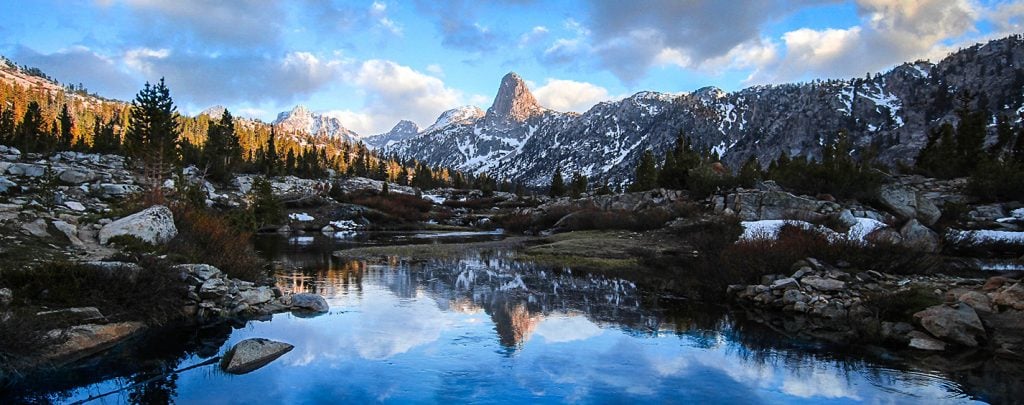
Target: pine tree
{"points": [[646, 173], [30, 130], [270, 157], [557, 183], [578, 186], [153, 131], [750, 172], [7, 127], [66, 126], [222, 152]]}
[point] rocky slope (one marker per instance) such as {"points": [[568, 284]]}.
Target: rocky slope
{"points": [[520, 140], [403, 130]]}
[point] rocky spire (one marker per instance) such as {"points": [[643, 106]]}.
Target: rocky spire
{"points": [[514, 100]]}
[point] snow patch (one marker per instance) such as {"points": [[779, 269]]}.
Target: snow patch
{"points": [[300, 216]]}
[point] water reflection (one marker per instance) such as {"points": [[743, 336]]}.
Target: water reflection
{"points": [[489, 328]]}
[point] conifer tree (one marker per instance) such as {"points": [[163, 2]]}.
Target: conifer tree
{"points": [[222, 152], [30, 130], [557, 183], [7, 127], [578, 186], [152, 136], [270, 158], [646, 173], [66, 126]]}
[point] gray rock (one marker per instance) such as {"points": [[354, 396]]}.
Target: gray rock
{"points": [[74, 206], [980, 302], [26, 170], [6, 185], [1012, 296], [85, 340], [154, 225], [77, 176], [306, 302], [108, 190], [213, 288], [115, 269], [901, 200], [927, 212], [6, 296], [75, 315], [1006, 330], [70, 231], [36, 228], [793, 297], [921, 341], [257, 296], [823, 284], [959, 324], [252, 354], [919, 237], [201, 272], [785, 284]]}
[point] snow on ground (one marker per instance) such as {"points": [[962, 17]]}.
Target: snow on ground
{"points": [[300, 216], [434, 198], [769, 229], [344, 225], [987, 236]]}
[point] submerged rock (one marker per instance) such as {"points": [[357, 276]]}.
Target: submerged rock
{"points": [[921, 341], [154, 225], [251, 354]]}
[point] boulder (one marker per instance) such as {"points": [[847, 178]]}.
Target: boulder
{"points": [[823, 284], [306, 302], [70, 231], [251, 354], [1007, 330], [1012, 297], [921, 341], [6, 185], [927, 212], [980, 302], [26, 170], [213, 288], [785, 284], [6, 296], [201, 272], [36, 228], [958, 324], [154, 225], [108, 190], [77, 176], [85, 340], [256, 296], [901, 200], [919, 237]]}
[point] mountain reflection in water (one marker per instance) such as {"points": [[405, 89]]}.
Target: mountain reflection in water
{"points": [[489, 328]]}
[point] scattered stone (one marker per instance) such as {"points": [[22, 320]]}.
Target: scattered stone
{"points": [[252, 354], [257, 296], [958, 324], [823, 284], [785, 284], [153, 225], [1012, 297], [77, 176], [213, 288], [6, 296], [6, 185], [74, 206]]}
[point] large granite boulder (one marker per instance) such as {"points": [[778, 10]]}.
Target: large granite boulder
{"points": [[153, 225], [907, 203], [309, 303], [85, 340], [958, 324], [252, 354], [917, 236]]}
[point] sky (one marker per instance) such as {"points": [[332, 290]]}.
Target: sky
{"points": [[373, 63]]}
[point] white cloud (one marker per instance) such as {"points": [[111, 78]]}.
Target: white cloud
{"points": [[533, 36], [435, 69], [393, 92], [379, 11], [570, 95]]}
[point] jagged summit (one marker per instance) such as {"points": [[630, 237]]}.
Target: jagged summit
{"points": [[403, 130], [514, 100], [214, 112], [457, 115], [405, 126], [302, 119]]}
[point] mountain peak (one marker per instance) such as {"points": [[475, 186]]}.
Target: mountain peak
{"points": [[214, 112], [514, 100]]}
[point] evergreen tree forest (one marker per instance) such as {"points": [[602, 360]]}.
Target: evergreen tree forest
{"points": [[47, 119]]}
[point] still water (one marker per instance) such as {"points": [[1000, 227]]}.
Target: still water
{"points": [[489, 329]]}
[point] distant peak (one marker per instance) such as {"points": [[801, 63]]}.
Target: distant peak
{"points": [[214, 112], [405, 126], [300, 109], [514, 100]]}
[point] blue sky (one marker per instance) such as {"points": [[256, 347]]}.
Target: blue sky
{"points": [[372, 63]]}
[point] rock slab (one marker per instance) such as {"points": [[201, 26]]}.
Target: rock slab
{"points": [[251, 354]]}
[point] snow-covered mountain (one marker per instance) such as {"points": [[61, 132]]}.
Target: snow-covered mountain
{"points": [[403, 130], [891, 113], [301, 119]]}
